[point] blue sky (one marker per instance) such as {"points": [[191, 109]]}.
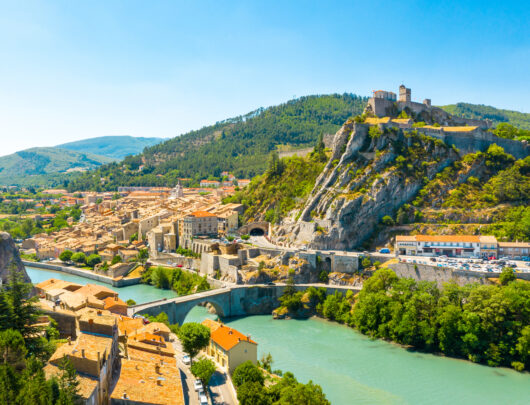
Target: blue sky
{"points": [[71, 70]]}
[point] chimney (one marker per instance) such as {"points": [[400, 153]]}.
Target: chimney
{"points": [[116, 297], [69, 340], [91, 321], [124, 396], [83, 353], [157, 368], [158, 382]]}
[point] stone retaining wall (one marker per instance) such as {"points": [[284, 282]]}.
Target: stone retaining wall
{"points": [[85, 273]]}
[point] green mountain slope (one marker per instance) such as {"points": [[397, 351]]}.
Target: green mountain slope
{"points": [[240, 145], [496, 115], [116, 147], [30, 166]]}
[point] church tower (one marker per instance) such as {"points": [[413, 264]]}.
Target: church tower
{"points": [[404, 94]]}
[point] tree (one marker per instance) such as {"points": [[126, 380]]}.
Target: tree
{"points": [[252, 393], [93, 259], [507, 275], [194, 337], [12, 348], [247, 372], [266, 362], [143, 255], [66, 255], [116, 259], [387, 220], [131, 302], [23, 309], [203, 369], [310, 394], [79, 258]]}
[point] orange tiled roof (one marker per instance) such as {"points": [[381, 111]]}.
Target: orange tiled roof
{"points": [[227, 337], [128, 325], [447, 238], [201, 214], [113, 302], [143, 382]]}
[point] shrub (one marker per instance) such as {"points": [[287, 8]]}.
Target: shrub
{"points": [[93, 259]]}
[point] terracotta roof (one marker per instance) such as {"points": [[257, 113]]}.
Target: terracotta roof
{"points": [[92, 345], [488, 239], [200, 214], [405, 238], [128, 325], [53, 284], [227, 337], [150, 357], [96, 290], [113, 301], [447, 238], [144, 382]]}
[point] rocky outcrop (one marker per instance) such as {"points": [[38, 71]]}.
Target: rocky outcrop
{"points": [[372, 172], [10, 258]]}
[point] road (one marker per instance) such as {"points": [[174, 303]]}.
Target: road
{"points": [[220, 391]]}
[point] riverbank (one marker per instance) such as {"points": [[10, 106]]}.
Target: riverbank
{"points": [[121, 282]]}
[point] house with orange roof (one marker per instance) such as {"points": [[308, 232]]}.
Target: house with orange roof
{"points": [[115, 305], [229, 347], [143, 382]]}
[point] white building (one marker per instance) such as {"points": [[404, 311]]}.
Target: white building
{"points": [[448, 245]]}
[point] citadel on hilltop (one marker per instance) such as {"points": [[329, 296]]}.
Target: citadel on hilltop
{"points": [[385, 104]]}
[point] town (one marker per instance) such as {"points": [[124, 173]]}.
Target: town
{"points": [[131, 360]]}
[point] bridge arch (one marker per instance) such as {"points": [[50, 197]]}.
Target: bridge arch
{"points": [[184, 309]]}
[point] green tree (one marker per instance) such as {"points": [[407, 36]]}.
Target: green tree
{"points": [[12, 348], [247, 372], [203, 369], [66, 255], [93, 259], [507, 275], [310, 394], [143, 255], [252, 393], [131, 302], [194, 337], [79, 258]]}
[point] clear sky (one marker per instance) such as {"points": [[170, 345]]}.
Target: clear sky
{"points": [[76, 69]]}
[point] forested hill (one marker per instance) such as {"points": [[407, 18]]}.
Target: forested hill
{"points": [[239, 145], [496, 115], [115, 147]]}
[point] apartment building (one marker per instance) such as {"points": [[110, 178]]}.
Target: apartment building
{"points": [[448, 245]]}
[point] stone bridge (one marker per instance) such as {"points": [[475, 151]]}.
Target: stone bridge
{"points": [[255, 229], [228, 302]]}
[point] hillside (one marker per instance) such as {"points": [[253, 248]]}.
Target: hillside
{"points": [[496, 115], [379, 182], [31, 166], [116, 147], [240, 145]]}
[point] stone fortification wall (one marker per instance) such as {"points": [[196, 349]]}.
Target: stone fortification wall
{"points": [[422, 272], [66, 322], [478, 140]]}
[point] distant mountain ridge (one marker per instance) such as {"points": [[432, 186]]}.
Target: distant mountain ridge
{"points": [[27, 167], [116, 147]]}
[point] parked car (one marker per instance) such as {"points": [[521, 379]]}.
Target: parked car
{"points": [[203, 399], [198, 385], [186, 360], [384, 250]]}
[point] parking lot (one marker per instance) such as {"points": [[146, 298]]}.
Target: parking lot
{"points": [[471, 264]]}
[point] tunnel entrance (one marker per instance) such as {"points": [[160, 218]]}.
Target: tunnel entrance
{"points": [[257, 232]]}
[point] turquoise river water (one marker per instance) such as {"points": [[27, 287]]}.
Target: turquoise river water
{"points": [[351, 368]]}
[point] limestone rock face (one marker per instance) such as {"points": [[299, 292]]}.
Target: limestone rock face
{"points": [[9, 256], [370, 174]]}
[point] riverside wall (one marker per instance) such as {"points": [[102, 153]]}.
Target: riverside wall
{"points": [[123, 282], [422, 272]]}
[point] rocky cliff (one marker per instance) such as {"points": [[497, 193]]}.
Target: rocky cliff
{"points": [[9, 257], [370, 174]]}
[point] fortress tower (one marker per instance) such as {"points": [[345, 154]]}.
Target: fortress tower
{"points": [[404, 94]]}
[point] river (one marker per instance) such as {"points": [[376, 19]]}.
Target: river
{"points": [[353, 369]]}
